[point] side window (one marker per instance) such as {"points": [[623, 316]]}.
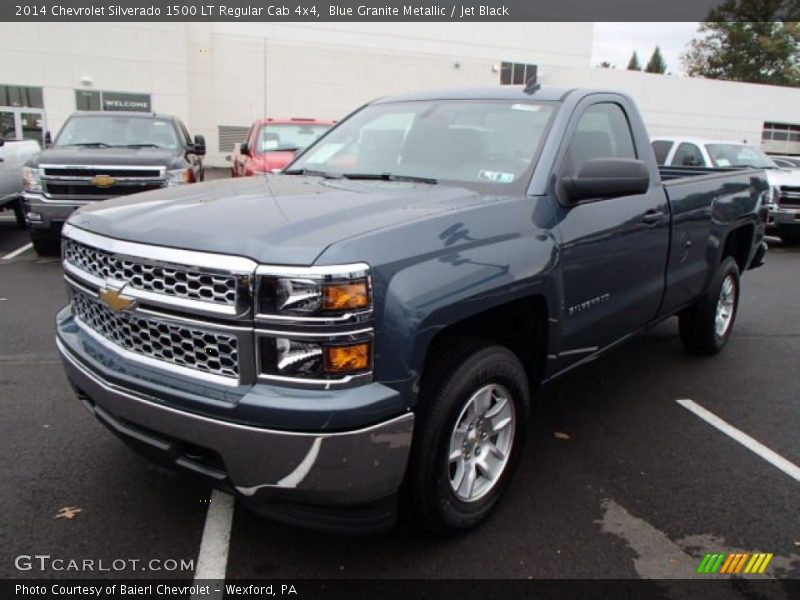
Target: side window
{"points": [[661, 149], [185, 132], [602, 132], [687, 155]]}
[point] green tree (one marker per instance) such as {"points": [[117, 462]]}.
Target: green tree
{"points": [[656, 63], [606, 65], [757, 41], [633, 63]]}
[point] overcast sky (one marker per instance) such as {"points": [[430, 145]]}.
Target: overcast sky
{"points": [[615, 42]]}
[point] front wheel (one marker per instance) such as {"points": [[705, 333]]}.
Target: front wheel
{"points": [[19, 214], [470, 428], [789, 234], [706, 327], [46, 242]]}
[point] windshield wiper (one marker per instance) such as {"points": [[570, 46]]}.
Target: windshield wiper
{"points": [[137, 146], [312, 173], [89, 144], [390, 177]]}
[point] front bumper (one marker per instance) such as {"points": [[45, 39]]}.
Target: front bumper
{"points": [[331, 480], [50, 213], [783, 216]]}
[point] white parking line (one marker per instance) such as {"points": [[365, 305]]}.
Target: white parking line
{"points": [[212, 560], [776, 460], [17, 252]]}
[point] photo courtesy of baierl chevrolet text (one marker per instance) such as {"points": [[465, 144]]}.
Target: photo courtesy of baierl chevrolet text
{"points": [[400, 300]]}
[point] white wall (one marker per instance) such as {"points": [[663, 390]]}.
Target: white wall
{"points": [[692, 106], [126, 57]]}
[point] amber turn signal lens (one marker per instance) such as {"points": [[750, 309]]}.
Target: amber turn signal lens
{"points": [[347, 359], [344, 296]]}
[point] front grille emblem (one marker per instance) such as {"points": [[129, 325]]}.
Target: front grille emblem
{"points": [[102, 181], [115, 301]]}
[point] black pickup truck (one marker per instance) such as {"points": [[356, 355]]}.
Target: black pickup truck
{"points": [[365, 330], [100, 155]]}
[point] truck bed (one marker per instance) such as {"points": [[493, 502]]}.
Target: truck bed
{"points": [[669, 174], [705, 206]]}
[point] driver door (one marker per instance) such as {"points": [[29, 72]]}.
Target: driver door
{"points": [[613, 251]]}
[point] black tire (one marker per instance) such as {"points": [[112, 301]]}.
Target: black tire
{"points": [[697, 324], [789, 234], [46, 243], [19, 214], [458, 368]]}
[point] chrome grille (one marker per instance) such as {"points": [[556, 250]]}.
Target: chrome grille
{"points": [[186, 346], [790, 195], [177, 282], [116, 172]]}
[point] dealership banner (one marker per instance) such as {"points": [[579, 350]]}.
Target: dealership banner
{"points": [[310, 11], [386, 589]]}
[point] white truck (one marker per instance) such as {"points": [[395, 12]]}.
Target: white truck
{"points": [[686, 152], [13, 156]]}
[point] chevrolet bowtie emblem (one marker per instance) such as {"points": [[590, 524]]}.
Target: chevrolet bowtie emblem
{"points": [[102, 181], [115, 301]]}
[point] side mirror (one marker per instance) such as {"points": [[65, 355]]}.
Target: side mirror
{"points": [[199, 145], [244, 149], [607, 178], [48, 139]]}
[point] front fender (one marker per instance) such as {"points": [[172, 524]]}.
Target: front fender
{"points": [[426, 297]]}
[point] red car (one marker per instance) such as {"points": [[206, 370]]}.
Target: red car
{"points": [[272, 143]]}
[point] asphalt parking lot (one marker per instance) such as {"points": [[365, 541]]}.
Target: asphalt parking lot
{"points": [[618, 480]]}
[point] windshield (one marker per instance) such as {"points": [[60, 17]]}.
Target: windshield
{"points": [[738, 155], [466, 141], [108, 131], [275, 138]]}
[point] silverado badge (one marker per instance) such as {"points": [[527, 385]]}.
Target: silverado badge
{"points": [[102, 181], [114, 299]]}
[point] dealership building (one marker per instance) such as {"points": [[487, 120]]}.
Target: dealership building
{"points": [[219, 77]]}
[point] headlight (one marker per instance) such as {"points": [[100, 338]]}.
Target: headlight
{"points": [[179, 176], [775, 195], [324, 361], [314, 294], [32, 179], [327, 309]]}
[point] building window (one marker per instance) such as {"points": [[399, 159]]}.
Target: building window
{"points": [[780, 132], [516, 73], [20, 95], [92, 100], [85, 100]]}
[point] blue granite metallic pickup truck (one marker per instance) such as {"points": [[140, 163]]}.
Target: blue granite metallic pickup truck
{"points": [[362, 333]]}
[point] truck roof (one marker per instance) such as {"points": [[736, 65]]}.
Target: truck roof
{"points": [[121, 113], [500, 92], [294, 121], [680, 139]]}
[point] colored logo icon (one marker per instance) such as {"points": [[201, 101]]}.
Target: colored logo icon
{"points": [[731, 564]]}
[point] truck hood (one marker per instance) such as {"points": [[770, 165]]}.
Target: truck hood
{"points": [[779, 177], [269, 161], [282, 219], [82, 156]]}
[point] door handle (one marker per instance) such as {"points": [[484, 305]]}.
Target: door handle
{"points": [[652, 217]]}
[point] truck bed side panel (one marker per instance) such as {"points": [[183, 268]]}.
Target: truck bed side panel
{"points": [[705, 209]]}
